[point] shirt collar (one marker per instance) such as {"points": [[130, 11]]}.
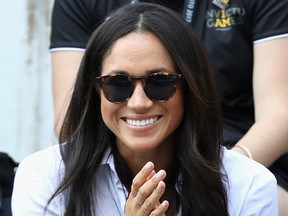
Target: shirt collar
{"points": [[108, 160]]}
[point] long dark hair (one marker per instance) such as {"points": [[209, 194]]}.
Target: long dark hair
{"points": [[199, 135]]}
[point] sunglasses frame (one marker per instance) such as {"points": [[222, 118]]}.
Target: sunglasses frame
{"points": [[101, 79]]}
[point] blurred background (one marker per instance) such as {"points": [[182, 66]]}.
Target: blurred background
{"points": [[26, 107]]}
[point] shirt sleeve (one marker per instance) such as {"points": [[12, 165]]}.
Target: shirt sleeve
{"points": [[251, 187], [261, 198], [72, 23], [36, 179], [269, 18]]}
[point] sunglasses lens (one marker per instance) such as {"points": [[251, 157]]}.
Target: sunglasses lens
{"points": [[161, 87], [117, 88]]}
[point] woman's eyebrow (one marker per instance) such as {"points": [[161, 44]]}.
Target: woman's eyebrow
{"points": [[154, 70], [118, 72], [161, 69]]}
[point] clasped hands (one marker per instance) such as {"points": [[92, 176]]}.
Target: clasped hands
{"points": [[146, 190]]}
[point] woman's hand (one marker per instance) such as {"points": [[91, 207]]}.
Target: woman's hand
{"points": [[146, 190]]}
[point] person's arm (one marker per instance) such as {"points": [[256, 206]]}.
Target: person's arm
{"points": [[267, 139], [65, 65], [71, 25]]}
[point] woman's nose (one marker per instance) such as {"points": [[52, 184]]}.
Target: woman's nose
{"points": [[139, 100]]}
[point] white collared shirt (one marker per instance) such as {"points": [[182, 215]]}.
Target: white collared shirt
{"points": [[251, 190]]}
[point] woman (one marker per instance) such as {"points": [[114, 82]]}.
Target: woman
{"points": [[248, 45], [142, 135]]}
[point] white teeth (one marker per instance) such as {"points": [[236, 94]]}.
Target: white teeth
{"points": [[140, 123]]}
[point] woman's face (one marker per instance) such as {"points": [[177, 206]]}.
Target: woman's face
{"points": [[140, 54]]}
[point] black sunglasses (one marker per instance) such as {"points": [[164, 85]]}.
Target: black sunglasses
{"points": [[159, 86]]}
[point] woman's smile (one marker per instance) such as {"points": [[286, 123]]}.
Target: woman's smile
{"points": [[141, 122]]}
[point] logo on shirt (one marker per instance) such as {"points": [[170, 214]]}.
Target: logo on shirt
{"points": [[222, 4], [225, 19]]}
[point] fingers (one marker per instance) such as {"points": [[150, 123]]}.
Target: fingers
{"points": [[146, 191], [145, 173], [153, 188], [152, 206], [151, 203], [161, 209]]}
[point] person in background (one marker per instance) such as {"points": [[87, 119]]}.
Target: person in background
{"points": [[143, 132], [8, 168], [248, 43]]}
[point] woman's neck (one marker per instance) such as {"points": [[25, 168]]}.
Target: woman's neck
{"points": [[162, 160], [163, 156]]}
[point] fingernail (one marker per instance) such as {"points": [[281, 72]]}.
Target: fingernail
{"points": [[165, 204], [159, 186], [148, 165], [160, 174]]}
